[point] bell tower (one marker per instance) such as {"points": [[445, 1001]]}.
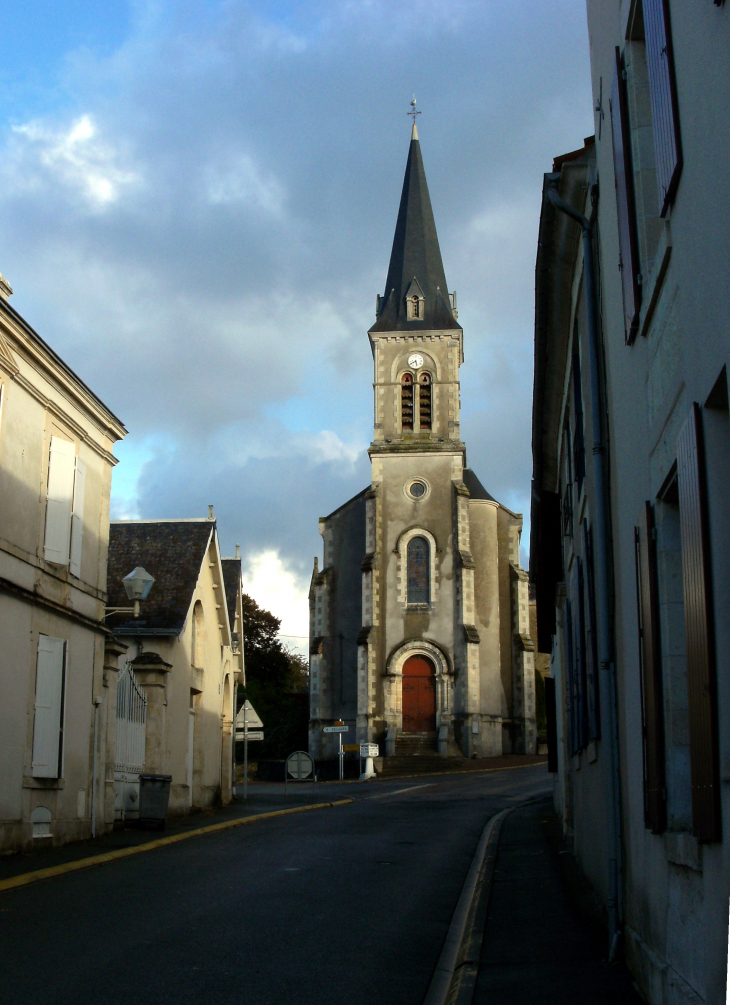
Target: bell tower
{"points": [[418, 630]]}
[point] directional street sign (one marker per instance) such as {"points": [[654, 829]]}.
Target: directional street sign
{"points": [[252, 734], [335, 729]]}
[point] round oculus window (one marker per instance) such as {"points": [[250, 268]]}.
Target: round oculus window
{"points": [[416, 490]]}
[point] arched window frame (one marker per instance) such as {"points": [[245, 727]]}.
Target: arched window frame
{"points": [[402, 572]]}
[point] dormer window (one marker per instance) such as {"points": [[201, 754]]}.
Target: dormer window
{"points": [[415, 308], [415, 302], [406, 401]]}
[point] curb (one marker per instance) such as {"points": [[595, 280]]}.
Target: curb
{"points": [[446, 980], [26, 878], [454, 979]]}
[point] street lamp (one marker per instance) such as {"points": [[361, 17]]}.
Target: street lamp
{"points": [[137, 586]]}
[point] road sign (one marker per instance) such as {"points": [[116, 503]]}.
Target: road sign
{"points": [[252, 719], [351, 748], [369, 750], [252, 734], [299, 765], [335, 729]]}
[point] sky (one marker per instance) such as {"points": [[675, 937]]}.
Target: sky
{"points": [[197, 206]]}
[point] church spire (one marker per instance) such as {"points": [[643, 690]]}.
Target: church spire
{"points": [[416, 269]]}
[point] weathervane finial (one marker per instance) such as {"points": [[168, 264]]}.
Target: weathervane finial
{"points": [[413, 113]]}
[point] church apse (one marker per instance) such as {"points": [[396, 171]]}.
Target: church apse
{"points": [[422, 564]]}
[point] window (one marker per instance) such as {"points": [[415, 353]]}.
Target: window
{"points": [[406, 399], [424, 401], [65, 506], [415, 307], [419, 572], [49, 697], [663, 92], [417, 489]]}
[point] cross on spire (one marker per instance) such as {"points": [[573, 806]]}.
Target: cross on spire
{"points": [[413, 113]]}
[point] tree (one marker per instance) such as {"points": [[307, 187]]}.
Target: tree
{"points": [[277, 683]]}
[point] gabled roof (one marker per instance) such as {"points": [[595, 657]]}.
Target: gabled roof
{"points": [[232, 586], [173, 552], [415, 255]]}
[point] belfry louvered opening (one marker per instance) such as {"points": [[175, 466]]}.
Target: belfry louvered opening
{"points": [[406, 401], [424, 401]]}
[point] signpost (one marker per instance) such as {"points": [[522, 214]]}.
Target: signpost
{"points": [[244, 720], [339, 727], [367, 752]]}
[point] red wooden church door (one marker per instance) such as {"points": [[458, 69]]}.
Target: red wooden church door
{"points": [[419, 695]]}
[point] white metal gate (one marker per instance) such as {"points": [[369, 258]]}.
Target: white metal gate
{"points": [[130, 747]]}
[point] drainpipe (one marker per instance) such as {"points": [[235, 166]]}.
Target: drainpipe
{"points": [[605, 662], [97, 702]]}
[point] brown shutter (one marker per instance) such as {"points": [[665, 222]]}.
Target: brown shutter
{"points": [[552, 724], [663, 91], [625, 207], [701, 681], [652, 712]]}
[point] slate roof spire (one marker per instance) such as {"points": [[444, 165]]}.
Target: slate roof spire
{"points": [[415, 256]]}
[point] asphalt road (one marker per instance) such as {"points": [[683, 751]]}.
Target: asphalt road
{"points": [[349, 905]]}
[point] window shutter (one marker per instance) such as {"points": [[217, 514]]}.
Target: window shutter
{"points": [[663, 92], [48, 722], [650, 658], [701, 681], [625, 206], [60, 499], [77, 517], [552, 723]]}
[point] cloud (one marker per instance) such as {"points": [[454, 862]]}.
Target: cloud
{"points": [[277, 589], [75, 156], [199, 222]]}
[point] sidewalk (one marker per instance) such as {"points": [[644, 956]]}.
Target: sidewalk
{"points": [[541, 946]]}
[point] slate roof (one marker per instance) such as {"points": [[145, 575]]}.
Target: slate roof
{"points": [[232, 586], [476, 489], [170, 550], [415, 255]]}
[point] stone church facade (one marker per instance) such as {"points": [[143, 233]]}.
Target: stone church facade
{"points": [[419, 616]]}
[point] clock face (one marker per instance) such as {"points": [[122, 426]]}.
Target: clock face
{"points": [[415, 360]]}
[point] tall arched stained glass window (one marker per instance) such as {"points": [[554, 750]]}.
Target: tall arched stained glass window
{"points": [[419, 571]]}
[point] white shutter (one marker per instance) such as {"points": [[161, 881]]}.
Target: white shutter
{"points": [[77, 517], [60, 499], [48, 707]]}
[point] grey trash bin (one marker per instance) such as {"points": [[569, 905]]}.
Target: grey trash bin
{"points": [[154, 795]]}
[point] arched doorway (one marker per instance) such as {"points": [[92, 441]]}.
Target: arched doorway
{"points": [[419, 695]]}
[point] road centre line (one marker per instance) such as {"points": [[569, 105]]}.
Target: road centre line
{"points": [[410, 788], [24, 879]]}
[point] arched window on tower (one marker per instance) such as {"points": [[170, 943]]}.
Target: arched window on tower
{"points": [[424, 401], [406, 401], [415, 307], [418, 560]]}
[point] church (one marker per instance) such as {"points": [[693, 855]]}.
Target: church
{"points": [[419, 615]]}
